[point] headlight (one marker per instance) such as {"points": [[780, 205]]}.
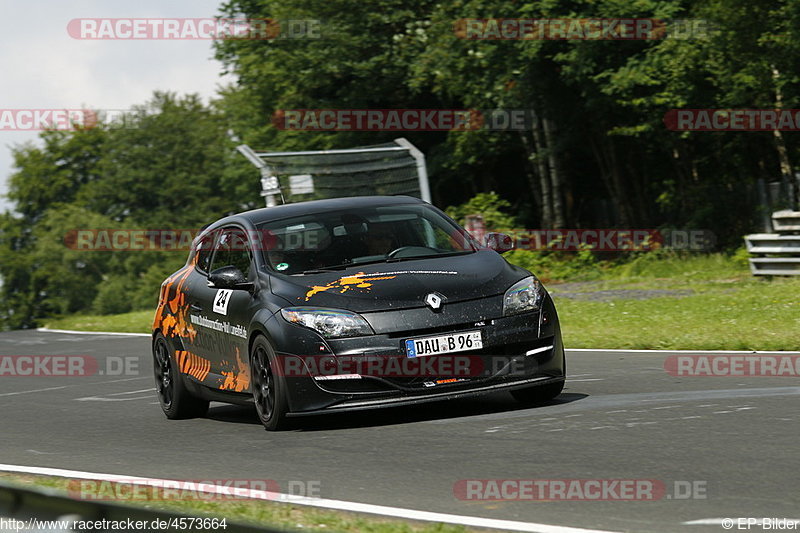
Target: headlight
{"points": [[329, 323], [524, 295]]}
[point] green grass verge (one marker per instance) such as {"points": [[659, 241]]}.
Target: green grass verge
{"points": [[283, 516], [726, 309], [133, 322], [726, 315]]}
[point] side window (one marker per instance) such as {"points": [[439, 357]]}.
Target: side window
{"points": [[203, 249], [232, 249]]}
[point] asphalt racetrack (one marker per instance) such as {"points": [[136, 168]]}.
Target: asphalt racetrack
{"points": [[719, 446]]}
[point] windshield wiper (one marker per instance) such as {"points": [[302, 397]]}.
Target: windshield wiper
{"points": [[427, 256], [343, 266], [335, 268]]}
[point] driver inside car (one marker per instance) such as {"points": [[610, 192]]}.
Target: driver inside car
{"points": [[380, 240]]}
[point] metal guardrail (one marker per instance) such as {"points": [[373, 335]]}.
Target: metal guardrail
{"points": [[786, 221], [772, 243], [46, 505], [775, 266], [785, 244]]}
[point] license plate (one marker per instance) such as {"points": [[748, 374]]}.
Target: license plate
{"points": [[458, 342]]}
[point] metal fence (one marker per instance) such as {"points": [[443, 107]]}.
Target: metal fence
{"points": [[386, 169]]}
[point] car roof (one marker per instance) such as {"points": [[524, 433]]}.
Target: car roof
{"points": [[268, 214]]}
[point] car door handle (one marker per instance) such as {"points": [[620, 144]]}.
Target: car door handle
{"points": [[196, 307]]}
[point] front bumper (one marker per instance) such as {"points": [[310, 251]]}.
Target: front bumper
{"points": [[518, 352], [360, 404]]}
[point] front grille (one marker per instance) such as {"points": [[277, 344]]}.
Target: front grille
{"points": [[424, 332]]}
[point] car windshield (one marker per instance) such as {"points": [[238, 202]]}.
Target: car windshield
{"points": [[335, 240]]}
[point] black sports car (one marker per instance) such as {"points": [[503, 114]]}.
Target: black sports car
{"points": [[344, 304]]}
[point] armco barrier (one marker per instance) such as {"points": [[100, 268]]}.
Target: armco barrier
{"points": [[27, 504], [771, 243], [780, 251], [786, 221], [775, 266]]}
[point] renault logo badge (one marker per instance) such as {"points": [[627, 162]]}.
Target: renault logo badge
{"points": [[434, 301]]}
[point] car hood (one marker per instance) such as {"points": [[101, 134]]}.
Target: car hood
{"points": [[403, 284]]}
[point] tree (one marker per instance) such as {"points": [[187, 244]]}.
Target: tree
{"points": [[170, 166]]}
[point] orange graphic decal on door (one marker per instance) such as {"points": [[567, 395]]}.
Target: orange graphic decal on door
{"points": [[238, 378]]}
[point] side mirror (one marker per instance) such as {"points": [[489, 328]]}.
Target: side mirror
{"points": [[228, 277], [499, 242]]}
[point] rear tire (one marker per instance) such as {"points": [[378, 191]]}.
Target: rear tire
{"points": [[176, 401], [540, 394], [267, 386]]}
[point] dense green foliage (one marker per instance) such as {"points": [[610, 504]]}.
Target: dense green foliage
{"points": [[492, 208], [171, 167], [599, 155]]}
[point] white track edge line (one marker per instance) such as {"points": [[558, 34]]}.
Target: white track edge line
{"points": [[338, 505], [75, 332], [618, 350]]}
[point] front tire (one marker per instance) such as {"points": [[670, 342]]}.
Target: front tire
{"points": [[268, 386], [176, 401]]}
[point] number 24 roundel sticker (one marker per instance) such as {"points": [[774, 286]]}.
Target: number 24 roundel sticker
{"points": [[221, 301]]}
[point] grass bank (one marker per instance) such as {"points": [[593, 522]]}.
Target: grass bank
{"points": [[133, 322]]}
